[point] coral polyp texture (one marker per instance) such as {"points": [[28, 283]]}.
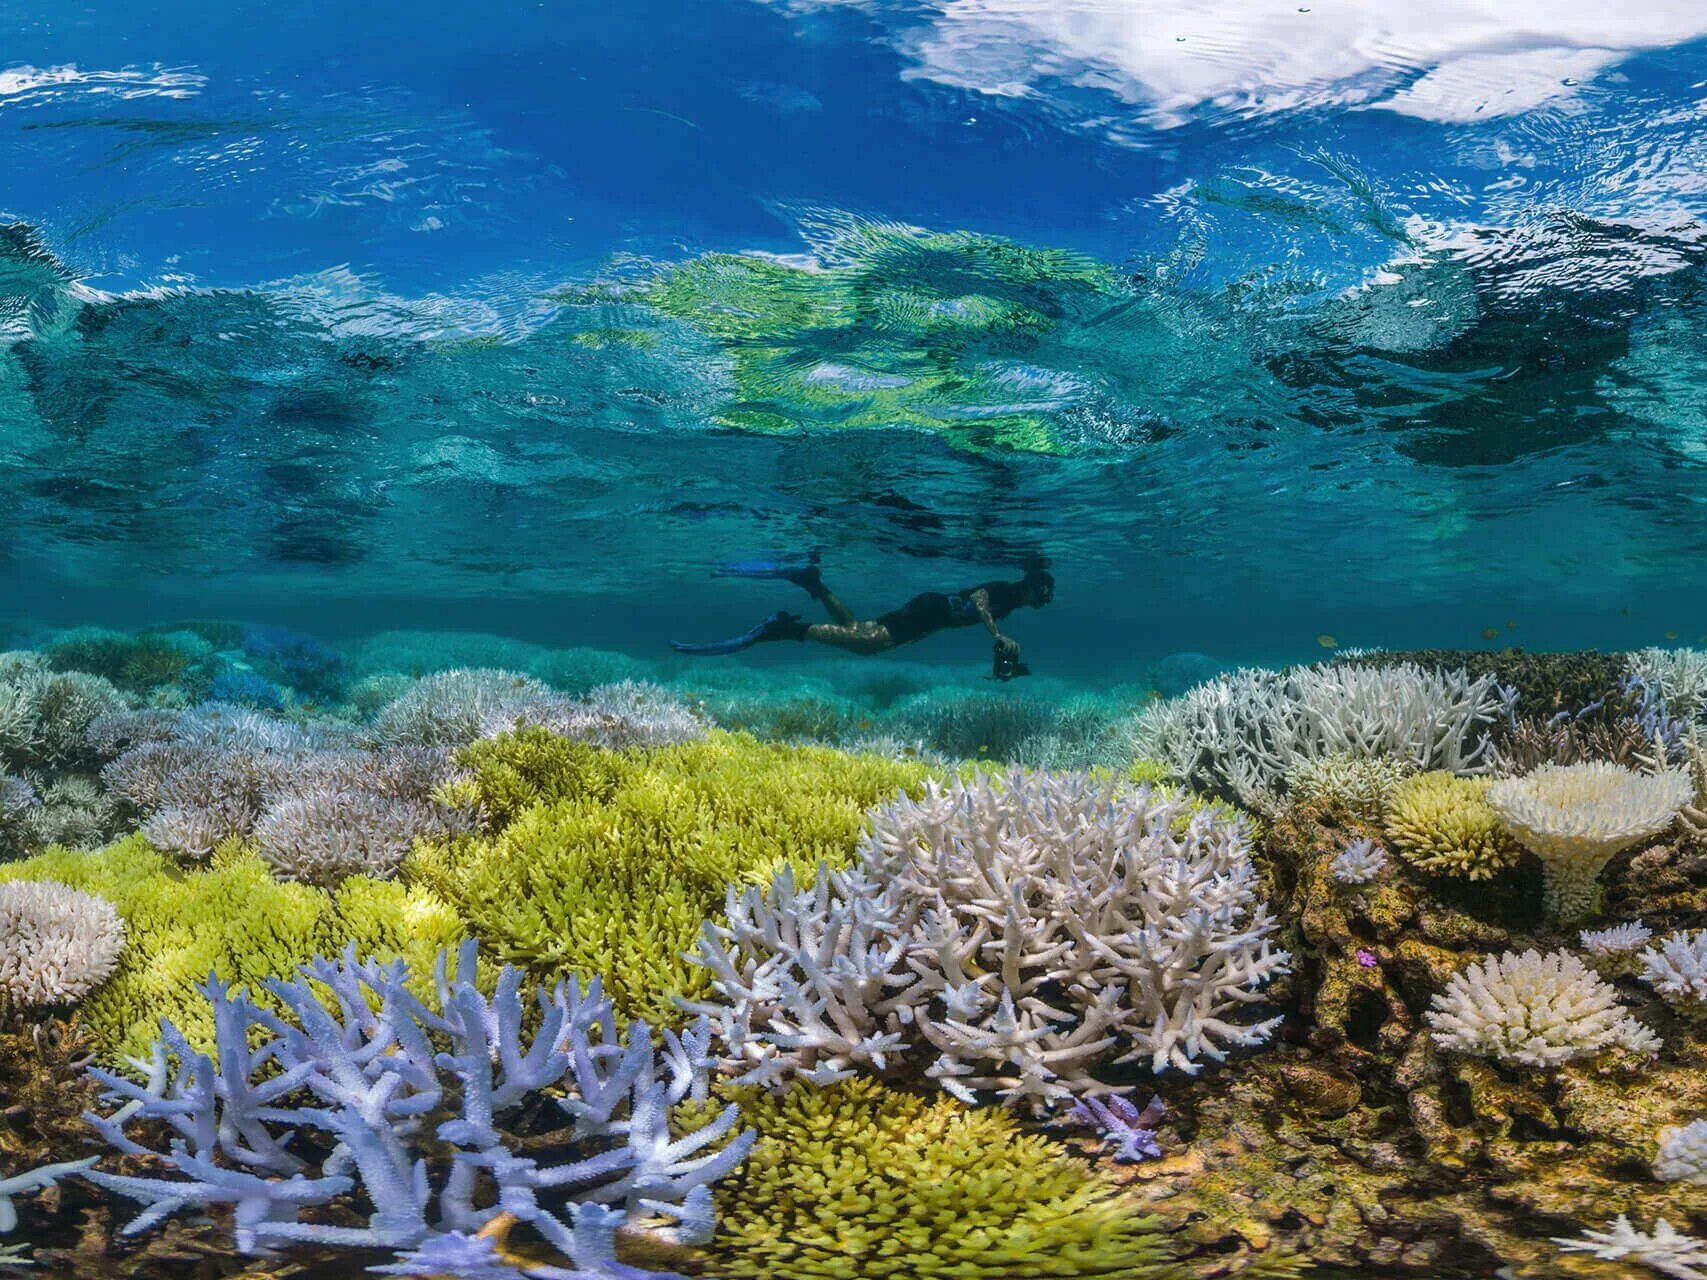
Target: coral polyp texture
{"points": [[57, 943], [363, 1090], [856, 1181], [1010, 933], [1682, 1156], [1676, 967], [1442, 824], [1576, 817], [1534, 1010]]}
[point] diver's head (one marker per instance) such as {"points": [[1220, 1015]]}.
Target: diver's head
{"points": [[1039, 587]]}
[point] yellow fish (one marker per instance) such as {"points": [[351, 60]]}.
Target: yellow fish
{"points": [[1490, 633], [1511, 624], [1327, 642], [1671, 635]]}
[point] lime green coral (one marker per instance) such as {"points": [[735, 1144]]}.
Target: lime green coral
{"points": [[606, 862], [861, 1182], [231, 918], [1443, 824]]}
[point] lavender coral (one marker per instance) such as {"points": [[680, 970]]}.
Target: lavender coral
{"points": [[1024, 927], [367, 1089], [1360, 862]]}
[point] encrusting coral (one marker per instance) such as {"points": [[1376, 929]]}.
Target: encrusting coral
{"points": [[366, 1103], [857, 1181], [1535, 1010], [1023, 928], [56, 943], [1441, 823], [1575, 817]]}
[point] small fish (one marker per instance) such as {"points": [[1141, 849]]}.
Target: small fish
{"points": [[1671, 635], [1625, 611], [1490, 633], [1511, 624], [865, 724], [1327, 641]]}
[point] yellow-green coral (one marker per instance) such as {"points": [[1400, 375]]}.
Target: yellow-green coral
{"points": [[861, 1182], [606, 862], [1442, 823], [231, 918]]}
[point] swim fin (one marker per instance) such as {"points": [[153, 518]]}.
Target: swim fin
{"points": [[802, 571], [779, 626]]}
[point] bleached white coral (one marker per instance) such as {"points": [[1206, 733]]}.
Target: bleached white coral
{"points": [[56, 943], [630, 713], [1575, 817], [1025, 926], [1245, 731], [1682, 1155], [1680, 676], [1362, 786], [1533, 1010], [1359, 862], [1667, 1251], [1619, 940], [1676, 967]]}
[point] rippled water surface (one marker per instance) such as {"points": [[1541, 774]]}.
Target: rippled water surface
{"points": [[1257, 322]]}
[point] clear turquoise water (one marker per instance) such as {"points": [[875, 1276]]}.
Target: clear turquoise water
{"points": [[1256, 322]]}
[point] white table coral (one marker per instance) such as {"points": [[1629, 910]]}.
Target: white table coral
{"points": [[1575, 817]]}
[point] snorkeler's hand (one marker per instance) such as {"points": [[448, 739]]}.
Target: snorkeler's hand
{"points": [[1007, 650]]}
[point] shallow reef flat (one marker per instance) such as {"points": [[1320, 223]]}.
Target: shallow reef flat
{"points": [[446, 955]]}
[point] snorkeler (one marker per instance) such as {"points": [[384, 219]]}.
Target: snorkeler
{"points": [[923, 615]]}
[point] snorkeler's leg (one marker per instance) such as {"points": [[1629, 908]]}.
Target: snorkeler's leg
{"points": [[779, 626], [863, 638]]}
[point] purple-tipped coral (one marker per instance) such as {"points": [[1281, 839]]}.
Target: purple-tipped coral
{"points": [[368, 1089], [1126, 1131]]}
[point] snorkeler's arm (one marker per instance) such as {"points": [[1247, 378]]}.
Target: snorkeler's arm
{"points": [[981, 602]]}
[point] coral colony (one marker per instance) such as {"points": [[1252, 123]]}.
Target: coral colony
{"points": [[447, 956]]}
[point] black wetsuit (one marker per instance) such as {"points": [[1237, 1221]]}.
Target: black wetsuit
{"points": [[933, 611]]}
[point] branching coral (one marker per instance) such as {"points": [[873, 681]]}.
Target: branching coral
{"points": [[1682, 1156], [1534, 1010], [1362, 787], [861, 1182], [17, 799], [56, 943], [1613, 951], [230, 917], [1442, 824], [1575, 817], [45, 715], [367, 1090], [1024, 927], [1679, 675], [1665, 1250], [1359, 862], [1676, 967], [608, 862], [1244, 732]]}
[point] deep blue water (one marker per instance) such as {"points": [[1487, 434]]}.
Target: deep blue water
{"points": [[1256, 321]]}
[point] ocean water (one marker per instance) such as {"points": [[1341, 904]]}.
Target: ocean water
{"points": [[442, 334]]}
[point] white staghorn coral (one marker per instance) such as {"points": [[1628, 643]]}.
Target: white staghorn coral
{"points": [[1682, 1155], [1246, 731], [1619, 940], [1359, 862], [1533, 1010], [1676, 967], [1363, 787], [1025, 926], [1667, 1251], [1679, 675], [56, 943], [1575, 817]]}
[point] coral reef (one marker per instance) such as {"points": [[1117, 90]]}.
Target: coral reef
{"points": [[56, 943], [1443, 824], [937, 1189], [365, 1091], [1676, 967], [1575, 817], [1682, 1156], [1021, 927], [604, 862], [1534, 1010]]}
